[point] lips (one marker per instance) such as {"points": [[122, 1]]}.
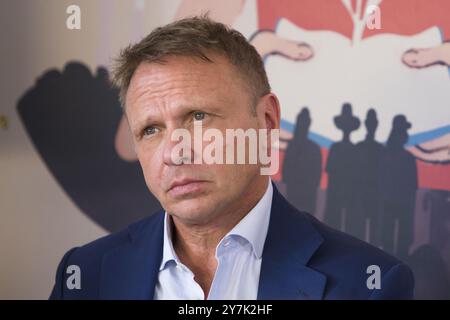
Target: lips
{"points": [[186, 186]]}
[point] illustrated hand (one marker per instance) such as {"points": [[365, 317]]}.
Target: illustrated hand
{"points": [[434, 151], [267, 42], [422, 58]]}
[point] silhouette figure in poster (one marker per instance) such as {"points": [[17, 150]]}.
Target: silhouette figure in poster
{"points": [[302, 166], [340, 170], [399, 185], [365, 213]]}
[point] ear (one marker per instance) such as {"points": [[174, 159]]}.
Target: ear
{"points": [[268, 112]]}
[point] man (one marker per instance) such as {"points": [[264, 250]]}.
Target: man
{"points": [[225, 231]]}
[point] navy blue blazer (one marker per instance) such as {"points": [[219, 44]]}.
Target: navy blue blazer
{"points": [[302, 259]]}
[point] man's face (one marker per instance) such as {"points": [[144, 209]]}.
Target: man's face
{"points": [[178, 94]]}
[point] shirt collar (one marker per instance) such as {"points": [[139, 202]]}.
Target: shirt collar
{"points": [[168, 250], [253, 228]]}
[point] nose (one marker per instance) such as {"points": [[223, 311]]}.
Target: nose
{"points": [[177, 147]]}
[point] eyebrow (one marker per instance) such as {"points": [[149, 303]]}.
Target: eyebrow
{"points": [[182, 112]]}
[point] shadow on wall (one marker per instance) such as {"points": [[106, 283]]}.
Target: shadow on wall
{"points": [[72, 117], [369, 185], [371, 194]]}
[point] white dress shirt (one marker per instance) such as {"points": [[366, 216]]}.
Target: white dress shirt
{"points": [[239, 256]]}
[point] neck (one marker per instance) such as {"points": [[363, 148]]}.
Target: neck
{"points": [[302, 135], [370, 136], [346, 137]]}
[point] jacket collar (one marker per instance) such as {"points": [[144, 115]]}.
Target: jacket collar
{"points": [[130, 270], [291, 242]]}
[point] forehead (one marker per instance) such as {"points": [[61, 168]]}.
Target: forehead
{"points": [[182, 76]]}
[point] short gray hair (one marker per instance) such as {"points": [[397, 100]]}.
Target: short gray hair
{"points": [[194, 37]]}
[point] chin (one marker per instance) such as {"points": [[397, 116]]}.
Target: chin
{"points": [[192, 210]]}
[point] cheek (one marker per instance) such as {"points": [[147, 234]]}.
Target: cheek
{"points": [[229, 176]]}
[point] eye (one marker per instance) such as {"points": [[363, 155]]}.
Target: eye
{"points": [[199, 116], [150, 131]]}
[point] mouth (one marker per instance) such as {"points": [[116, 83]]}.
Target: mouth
{"points": [[186, 187]]}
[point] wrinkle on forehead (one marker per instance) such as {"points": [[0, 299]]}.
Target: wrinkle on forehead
{"points": [[184, 71], [181, 78], [181, 85]]}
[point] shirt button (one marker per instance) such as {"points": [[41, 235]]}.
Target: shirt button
{"points": [[226, 243]]}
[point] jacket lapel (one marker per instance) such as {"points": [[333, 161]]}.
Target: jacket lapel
{"points": [[130, 270], [291, 241]]}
